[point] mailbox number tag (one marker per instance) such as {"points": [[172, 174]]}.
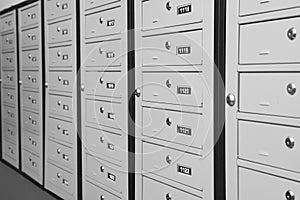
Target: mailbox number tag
{"points": [[111, 22], [184, 9], [110, 86], [184, 130], [184, 90], [110, 54], [184, 50], [184, 170], [111, 177]]}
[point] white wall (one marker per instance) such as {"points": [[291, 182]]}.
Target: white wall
{"points": [[7, 3]]}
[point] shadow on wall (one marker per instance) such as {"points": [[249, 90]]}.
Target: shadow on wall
{"points": [[14, 186]]}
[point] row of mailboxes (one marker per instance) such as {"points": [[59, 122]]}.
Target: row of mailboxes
{"points": [[76, 88]]}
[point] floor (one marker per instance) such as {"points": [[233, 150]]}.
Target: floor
{"points": [[13, 186]]}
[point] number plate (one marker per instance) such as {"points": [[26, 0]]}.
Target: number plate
{"points": [[184, 9], [183, 50], [184, 90], [110, 55], [184, 170], [110, 86], [111, 177], [184, 130], [111, 23]]}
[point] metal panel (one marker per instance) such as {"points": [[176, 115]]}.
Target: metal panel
{"points": [[61, 105], [61, 57], [174, 88], [274, 42], [62, 81], [31, 59], [31, 121], [268, 144], [9, 96], [31, 79], [32, 142], [105, 83], [32, 100], [107, 144], [60, 8], [163, 191], [32, 165], [62, 130], [9, 78], [171, 13], [30, 37], [270, 93], [94, 192], [8, 41], [9, 132], [8, 60], [10, 114], [179, 49], [30, 16], [61, 154], [60, 32], [104, 173], [255, 185], [8, 22], [103, 54], [175, 165], [248, 7], [188, 129], [10, 151], [106, 22]]}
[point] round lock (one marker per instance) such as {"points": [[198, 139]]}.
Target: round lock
{"points": [[102, 197], [168, 6], [59, 78], [58, 126], [102, 169], [168, 83], [58, 29], [101, 139], [137, 92], [168, 196], [58, 53], [59, 102], [290, 195], [168, 45], [57, 4], [101, 50], [230, 99], [101, 20], [292, 33], [291, 88], [58, 151], [102, 110], [290, 142], [101, 80], [58, 175], [169, 121], [169, 159]]}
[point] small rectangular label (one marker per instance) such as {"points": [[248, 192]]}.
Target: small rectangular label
{"points": [[184, 170], [184, 50], [111, 146], [184, 130], [110, 86], [111, 116], [184, 90], [111, 177], [65, 32], [184, 9], [65, 57], [110, 54], [111, 22]]}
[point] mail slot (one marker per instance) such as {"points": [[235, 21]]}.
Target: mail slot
{"points": [[30, 15], [59, 8], [32, 165], [8, 41], [31, 79], [60, 32], [31, 121], [9, 113], [30, 59], [62, 81], [9, 78], [61, 57], [10, 132], [8, 60], [31, 100], [32, 142], [61, 105], [61, 129], [31, 37], [9, 96], [8, 21], [92, 191]]}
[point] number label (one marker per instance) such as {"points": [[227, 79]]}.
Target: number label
{"points": [[184, 9]]}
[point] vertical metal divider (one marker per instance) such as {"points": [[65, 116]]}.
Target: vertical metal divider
{"points": [[19, 92], [219, 102], [43, 88], [78, 78], [131, 98]]}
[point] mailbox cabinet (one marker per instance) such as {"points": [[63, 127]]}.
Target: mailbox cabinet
{"points": [[9, 89], [61, 168]]}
